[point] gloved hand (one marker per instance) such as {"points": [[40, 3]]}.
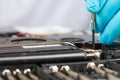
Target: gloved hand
{"points": [[107, 19]]}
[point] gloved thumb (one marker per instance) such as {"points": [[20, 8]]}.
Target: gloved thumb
{"points": [[111, 31], [95, 5]]}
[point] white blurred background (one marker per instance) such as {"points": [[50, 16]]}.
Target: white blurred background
{"points": [[44, 16]]}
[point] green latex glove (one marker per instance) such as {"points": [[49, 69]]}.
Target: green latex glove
{"points": [[107, 19]]}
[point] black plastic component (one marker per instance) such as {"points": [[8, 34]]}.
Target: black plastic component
{"points": [[111, 51]]}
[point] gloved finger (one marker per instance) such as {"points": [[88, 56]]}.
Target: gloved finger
{"points": [[105, 15], [112, 30], [94, 5]]}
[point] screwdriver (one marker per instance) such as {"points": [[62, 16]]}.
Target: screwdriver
{"points": [[57, 73], [93, 29], [66, 69], [19, 74], [92, 66], [8, 74], [101, 66], [29, 73]]}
